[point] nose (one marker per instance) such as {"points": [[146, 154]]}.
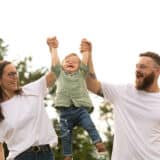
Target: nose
{"points": [[138, 67]]}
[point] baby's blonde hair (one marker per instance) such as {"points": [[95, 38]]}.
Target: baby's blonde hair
{"points": [[70, 55]]}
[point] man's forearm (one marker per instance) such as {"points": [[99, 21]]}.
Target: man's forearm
{"points": [[92, 83], [92, 75], [85, 57], [91, 67]]}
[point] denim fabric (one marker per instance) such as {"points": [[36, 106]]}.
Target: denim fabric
{"points": [[42, 155], [73, 116]]}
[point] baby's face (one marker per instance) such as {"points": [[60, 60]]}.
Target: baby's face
{"points": [[71, 64]]}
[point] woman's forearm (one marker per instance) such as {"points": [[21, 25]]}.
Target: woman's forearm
{"points": [[1, 152]]}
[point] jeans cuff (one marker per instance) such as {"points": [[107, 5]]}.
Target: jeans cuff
{"points": [[97, 141], [67, 155]]}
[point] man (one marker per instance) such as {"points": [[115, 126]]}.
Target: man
{"points": [[136, 108]]}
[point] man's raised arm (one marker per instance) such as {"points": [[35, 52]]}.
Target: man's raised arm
{"points": [[92, 83]]}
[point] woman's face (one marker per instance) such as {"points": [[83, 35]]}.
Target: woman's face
{"points": [[9, 79]]}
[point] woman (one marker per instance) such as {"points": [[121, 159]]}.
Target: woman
{"points": [[24, 124]]}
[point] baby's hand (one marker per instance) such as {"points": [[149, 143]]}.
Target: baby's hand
{"points": [[52, 42]]}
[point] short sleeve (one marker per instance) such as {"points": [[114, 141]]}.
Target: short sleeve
{"points": [[38, 87], [1, 139], [112, 92], [56, 69], [2, 132], [84, 69]]}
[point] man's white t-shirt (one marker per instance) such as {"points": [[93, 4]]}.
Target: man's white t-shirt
{"points": [[136, 122], [26, 121]]}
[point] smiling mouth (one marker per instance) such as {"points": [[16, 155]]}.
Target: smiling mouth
{"points": [[13, 83], [139, 75]]}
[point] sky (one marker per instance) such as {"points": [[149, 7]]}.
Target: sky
{"points": [[118, 29]]}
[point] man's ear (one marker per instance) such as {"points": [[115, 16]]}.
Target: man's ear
{"points": [[158, 70]]}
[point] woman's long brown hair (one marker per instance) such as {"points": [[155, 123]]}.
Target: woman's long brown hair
{"points": [[3, 64]]}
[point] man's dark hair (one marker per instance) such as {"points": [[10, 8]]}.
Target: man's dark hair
{"points": [[153, 55]]}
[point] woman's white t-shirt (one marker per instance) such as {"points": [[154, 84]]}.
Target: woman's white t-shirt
{"points": [[26, 121], [136, 122]]}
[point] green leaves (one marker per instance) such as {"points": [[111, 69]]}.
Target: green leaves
{"points": [[3, 49]]}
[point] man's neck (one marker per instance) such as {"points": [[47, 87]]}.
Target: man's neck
{"points": [[153, 89]]}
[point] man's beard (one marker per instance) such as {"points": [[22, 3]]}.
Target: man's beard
{"points": [[147, 81]]}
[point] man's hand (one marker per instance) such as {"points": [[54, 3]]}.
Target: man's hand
{"points": [[85, 46], [52, 42]]}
